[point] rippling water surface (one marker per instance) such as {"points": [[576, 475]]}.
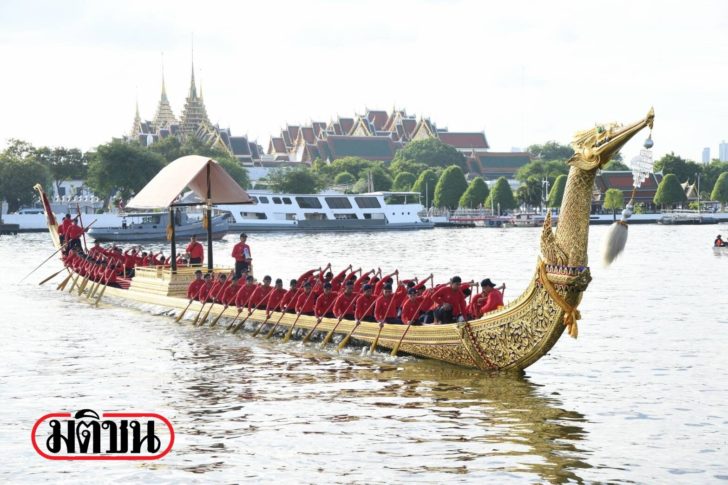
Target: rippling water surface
{"points": [[641, 396]]}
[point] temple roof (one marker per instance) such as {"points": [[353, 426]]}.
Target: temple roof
{"points": [[367, 147], [501, 164], [463, 139]]}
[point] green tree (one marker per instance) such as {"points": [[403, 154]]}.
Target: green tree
{"points": [[720, 190], [669, 192], [431, 153], [344, 178], [403, 181], [425, 185], [685, 170], [551, 150], [556, 194], [63, 164], [405, 165], [451, 186], [353, 165], [381, 180], [710, 175], [18, 175], [171, 148], [613, 200], [614, 165], [530, 193], [501, 196], [475, 194], [121, 167], [542, 169], [294, 180]]}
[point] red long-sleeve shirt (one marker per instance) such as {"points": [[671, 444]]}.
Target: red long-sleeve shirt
{"points": [[384, 308], [324, 303], [229, 296], [454, 297], [275, 298], [492, 302], [241, 299], [289, 299], [257, 298], [344, 304], [241, 252], [196, 250], [306, 302], [411, 309], [194, 288], [364, 306], [204, 292]]}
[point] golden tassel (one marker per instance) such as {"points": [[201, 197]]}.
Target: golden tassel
{"points": [[169, 232], [205, 220]]}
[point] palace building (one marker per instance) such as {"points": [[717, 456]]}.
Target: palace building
{"points": [[193, 122]]}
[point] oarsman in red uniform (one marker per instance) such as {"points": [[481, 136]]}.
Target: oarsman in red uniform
{"points": [[229, 296], [719, 242], [308, 275], [288, 302], [110, 276], [73, 236], [363, 280], [194, 288], [493, 297], [449, 302], [338, 280], [242, 255], [343, 302], [63, 227], [243, 296], [412, 308], [325, 302], [96, 250], [218, 288], [364, 305], [306, 301], [384, 309], [273, 302], [195, 252], [260, 294], [204, 294], [387, 280]]}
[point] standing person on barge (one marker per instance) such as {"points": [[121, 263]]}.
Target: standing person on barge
{"points": [[195, 252], [241, 254]]}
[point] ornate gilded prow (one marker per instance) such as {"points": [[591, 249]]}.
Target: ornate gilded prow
{"points": [[593, 148]]}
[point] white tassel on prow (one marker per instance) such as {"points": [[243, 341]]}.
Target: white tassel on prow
{"points": [[616, 238]]}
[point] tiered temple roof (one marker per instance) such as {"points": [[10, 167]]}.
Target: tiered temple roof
{"points": [[194, 113], [622, 180], [164, 117]]}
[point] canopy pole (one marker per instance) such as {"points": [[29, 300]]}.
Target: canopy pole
{"points": [[172, 221], [209, 220]]}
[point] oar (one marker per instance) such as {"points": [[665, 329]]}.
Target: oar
{"points": [[73, 283], [234, 319], [179, 317], [257, 330], [51, 276], [310, 332], [329, 335], [63, 283], [240, 325], [194, 322], [204, 319], [214, 322], [83, 284], [273, 328], [103, 290], [345, 340], [381, 326], [395, 349], [80, 220], [290, 329]]}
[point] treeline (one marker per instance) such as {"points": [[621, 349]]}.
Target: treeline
{"points": [[437, 171], [117, 169]]}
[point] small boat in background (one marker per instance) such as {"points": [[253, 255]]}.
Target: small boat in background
{"points": [[152, 226], [684, 217]]}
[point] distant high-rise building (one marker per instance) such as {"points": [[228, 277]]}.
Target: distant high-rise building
{"points": [[706, 155], [723, 151]]}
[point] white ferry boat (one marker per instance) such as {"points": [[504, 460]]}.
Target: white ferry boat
{"points": [[327, 211]]}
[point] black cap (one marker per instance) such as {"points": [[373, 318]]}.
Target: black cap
{"points": [[410, 284], [243, 235], [487, 282], [249, 278], [307, 284], [235, 277], [456, 279], [279, 281], [293, 282], [329, 275], [349, 283], [199, 271], [411, 291], [267, 277], [366, 287], [387, 288], [68, 216], [327, 285], [387, 280]]}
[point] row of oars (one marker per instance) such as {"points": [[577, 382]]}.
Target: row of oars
{"points": [[233, 328]]}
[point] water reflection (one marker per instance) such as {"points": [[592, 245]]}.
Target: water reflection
{"points": [[420, 418]]}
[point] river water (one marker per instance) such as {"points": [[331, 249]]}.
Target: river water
{"points": [[640, 397]]}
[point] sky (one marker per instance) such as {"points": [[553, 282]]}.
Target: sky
{"points": [[523, 72]]}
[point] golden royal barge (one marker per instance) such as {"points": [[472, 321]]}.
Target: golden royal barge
{"points": [[511, 338]]}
